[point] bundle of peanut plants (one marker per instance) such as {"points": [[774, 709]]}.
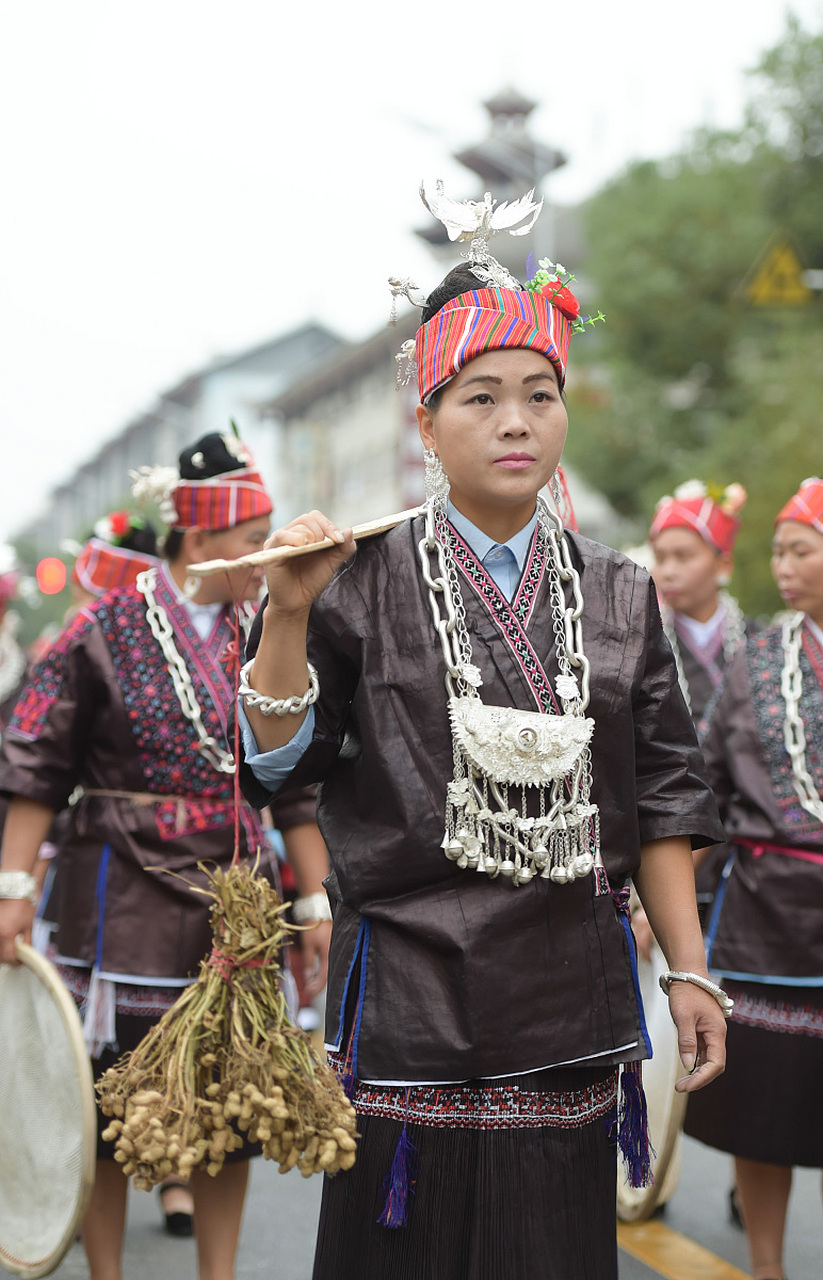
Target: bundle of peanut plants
{"points": [[225, 1064]]}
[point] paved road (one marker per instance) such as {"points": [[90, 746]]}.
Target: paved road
{"points": [[278, 1232]]}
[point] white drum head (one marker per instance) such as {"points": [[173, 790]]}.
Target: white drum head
{"points": [[667, 1109], [48, 1131]]}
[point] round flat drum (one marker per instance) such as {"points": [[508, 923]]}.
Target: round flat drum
{"points": [[47, 1117], [666, 1108]]}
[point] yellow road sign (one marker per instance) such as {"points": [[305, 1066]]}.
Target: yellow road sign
{"points": [[777, 279]]}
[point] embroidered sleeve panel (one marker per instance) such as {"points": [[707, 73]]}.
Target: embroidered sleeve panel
{"points": [[43, 746], [50, 681]]}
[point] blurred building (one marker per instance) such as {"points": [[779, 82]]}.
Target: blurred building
{"points": [[229, 388], [324, 418]]}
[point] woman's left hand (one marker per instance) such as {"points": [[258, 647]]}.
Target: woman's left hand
{"points": [[701, 1035]]}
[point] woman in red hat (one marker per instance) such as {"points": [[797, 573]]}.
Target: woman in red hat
{"points": [[692, 536], [764, 750]]}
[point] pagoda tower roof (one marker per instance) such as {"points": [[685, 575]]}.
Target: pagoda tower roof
{"points": [[508, 161]]}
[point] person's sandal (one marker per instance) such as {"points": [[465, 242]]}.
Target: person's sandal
{"points": [[735, 1214], [179, 1222]]}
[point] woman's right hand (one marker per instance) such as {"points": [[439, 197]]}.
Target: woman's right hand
{"points": [[295, 583], [16, 919]]}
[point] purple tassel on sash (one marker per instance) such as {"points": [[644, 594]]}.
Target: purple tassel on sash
{"points": [[399, 1185], [633, 1127]]}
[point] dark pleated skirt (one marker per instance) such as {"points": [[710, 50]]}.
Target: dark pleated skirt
{"points": [[768, 1104], [535, 1203]]}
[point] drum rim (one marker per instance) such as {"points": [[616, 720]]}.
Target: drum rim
{"points": [[47, 974]]}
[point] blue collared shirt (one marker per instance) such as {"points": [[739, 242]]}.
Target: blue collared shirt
{"points": [[503, 562]]}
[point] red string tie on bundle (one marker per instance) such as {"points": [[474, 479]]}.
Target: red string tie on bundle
{"points": [[226, 964]]}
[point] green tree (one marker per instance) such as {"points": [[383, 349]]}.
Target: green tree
{"points": [[785, 119], [688, 379]]}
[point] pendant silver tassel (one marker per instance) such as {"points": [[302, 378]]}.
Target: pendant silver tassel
{"points": [[562, 846]]}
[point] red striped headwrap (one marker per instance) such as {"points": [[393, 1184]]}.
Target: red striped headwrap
{"points": [[806, 506], [487, 320], [221, 502], [100, 567], [692, 507]]}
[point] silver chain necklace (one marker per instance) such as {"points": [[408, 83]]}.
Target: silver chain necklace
{"points": [[794, 734], [502, 752], [163, 632], [733, 626]]}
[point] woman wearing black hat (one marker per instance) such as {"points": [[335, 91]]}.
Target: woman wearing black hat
{"points": [[131, 705]]}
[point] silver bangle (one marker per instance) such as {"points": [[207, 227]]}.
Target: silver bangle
{"points": [[18, 884], [293, 706], [312, 908], [673, 975]]}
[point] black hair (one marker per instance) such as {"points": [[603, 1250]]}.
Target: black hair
{"points": [[173, 543], [461, 279], [142, 539]]}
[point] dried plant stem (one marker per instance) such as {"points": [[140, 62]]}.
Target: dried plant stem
{"points": [[226, 1061]]}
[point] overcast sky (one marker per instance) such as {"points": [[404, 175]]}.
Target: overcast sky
{"points": [[184, 178]]}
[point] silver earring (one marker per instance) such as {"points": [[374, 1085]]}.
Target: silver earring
{"points": [[191, 587], [436, 482], [557, 492]]}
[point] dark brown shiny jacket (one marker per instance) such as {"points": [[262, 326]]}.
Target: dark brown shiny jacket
{"points": [[452, 975]]}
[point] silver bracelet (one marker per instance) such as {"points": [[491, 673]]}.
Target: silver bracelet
{"points": [[673, 975], [18, 884], [293, 706], [314, 907]]}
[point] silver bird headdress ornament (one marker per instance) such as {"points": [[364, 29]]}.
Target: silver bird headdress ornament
{"points": [[477, 221]]}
